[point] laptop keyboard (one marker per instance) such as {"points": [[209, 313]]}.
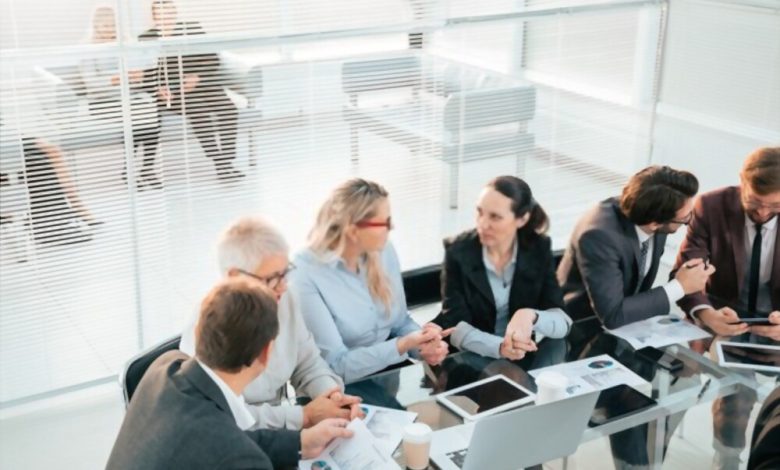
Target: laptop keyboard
{"points": [[458, 457]]}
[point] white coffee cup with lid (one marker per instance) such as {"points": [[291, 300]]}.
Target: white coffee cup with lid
{"points": [[417, 445], [551, 386]]}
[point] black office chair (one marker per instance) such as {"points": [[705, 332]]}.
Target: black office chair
{"points": [[136, 367]]}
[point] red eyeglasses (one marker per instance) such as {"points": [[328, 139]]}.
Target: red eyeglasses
{"points": [[368, 224]]}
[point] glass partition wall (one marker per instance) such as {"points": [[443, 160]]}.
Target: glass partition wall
{"points": [[114, 187]]}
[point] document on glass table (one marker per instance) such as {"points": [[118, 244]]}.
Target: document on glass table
{"points": [[659, 332], [387, 425], [594, 373], [360, 452]]}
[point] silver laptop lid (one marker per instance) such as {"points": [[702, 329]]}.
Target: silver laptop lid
{"points": [[531, 435]]}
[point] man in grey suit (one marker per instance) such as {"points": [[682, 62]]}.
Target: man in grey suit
{"points": [[611, 263], [612, 259], [190, 412]]}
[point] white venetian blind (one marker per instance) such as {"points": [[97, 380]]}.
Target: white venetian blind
{"points": [[282, 101], [721, 86]]}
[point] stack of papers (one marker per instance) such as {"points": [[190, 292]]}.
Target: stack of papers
{"points": [[659, 332], [592, 374], [372, 445]]}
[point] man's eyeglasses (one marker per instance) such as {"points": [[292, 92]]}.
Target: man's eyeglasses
{"points": [[685, 221], [752, 204], [273, 280], [368, 223]]}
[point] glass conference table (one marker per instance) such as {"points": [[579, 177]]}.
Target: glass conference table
{"points": [[413, 386]]}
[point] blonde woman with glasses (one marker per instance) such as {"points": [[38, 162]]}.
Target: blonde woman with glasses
{"points": [[348, 283]]}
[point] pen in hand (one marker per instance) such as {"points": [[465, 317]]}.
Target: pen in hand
{"points": [[703, 389]]}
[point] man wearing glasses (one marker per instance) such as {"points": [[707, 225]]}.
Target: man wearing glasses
{"points": [[611, 263], [253, 248], [736, 228], [614, 252]]}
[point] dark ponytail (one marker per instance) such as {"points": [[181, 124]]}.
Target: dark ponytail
{"points": [[523, 202]]}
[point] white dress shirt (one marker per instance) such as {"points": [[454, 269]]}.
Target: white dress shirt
{"points": [[244, 419]]}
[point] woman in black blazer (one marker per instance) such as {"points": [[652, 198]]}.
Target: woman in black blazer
{"points": [[498, 280]]}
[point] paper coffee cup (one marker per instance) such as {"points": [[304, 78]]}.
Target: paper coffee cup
{"points": [[417, 445], [550, 387]]}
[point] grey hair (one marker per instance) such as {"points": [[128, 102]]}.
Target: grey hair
{"points": [[247, 242]]}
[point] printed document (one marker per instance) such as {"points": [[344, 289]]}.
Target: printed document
{"points": [[659, 332], [595, 373]]}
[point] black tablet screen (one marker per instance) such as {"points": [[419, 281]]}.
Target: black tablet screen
{"points": [[490, 395], [618, 401]]}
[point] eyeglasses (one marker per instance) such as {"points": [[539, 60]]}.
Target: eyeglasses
{"points": [[368, 223], [752, 204], [273, 280], [685, 221]]}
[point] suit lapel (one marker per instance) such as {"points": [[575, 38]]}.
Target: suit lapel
{"points": [[629, 232], [477, 275], [201, 380], [774, 279], [735, 220], [525, 266]]}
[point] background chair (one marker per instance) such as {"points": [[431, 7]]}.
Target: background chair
{"points": [[136, 367]]}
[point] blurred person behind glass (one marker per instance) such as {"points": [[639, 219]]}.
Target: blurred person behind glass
{"points": [[100, 76], [191, 85], [57, 213]]}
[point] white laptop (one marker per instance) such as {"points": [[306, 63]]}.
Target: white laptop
{"points": [[515, 439]]}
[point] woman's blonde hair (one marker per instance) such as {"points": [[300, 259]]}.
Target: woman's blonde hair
{"points": [[352, 201]]}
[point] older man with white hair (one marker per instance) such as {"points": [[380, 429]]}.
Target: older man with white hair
{"points": [[252, 247]]}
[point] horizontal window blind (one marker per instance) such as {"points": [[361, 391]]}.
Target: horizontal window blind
{"points": [[128, 149], [720, 88]]}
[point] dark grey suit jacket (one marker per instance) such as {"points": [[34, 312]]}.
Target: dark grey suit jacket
{"points": [[178, 418], [599, 271]]}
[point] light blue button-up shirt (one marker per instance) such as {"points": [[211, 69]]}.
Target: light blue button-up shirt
{"points": [[553, 322], [355, 333]]}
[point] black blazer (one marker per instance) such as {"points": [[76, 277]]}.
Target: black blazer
{"points": [[599, 271], [179, 418], [466, 293]]}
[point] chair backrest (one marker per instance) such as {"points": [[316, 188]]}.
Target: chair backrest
{"points": [[381, 74], [253, 86], [480, 108], [136, 367]]}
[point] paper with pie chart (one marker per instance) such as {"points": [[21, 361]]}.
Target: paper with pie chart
{"points": [[594, 373], [659, 332], [364, 450]]}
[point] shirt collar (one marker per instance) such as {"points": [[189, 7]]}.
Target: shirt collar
{"points": [[236, 403], [768, 225], [332, 259], [489, 264], [641, 234]]}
